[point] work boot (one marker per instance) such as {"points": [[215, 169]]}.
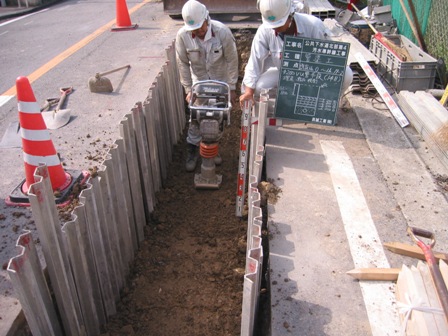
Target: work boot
{"points": [[217, 159], [192, 157]]}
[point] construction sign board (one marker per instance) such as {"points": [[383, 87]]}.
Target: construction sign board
{"points": [[310, 80]]}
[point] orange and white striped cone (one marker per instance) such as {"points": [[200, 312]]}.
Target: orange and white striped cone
{"points": [[36, 142], [37, 147], [123, 20]]}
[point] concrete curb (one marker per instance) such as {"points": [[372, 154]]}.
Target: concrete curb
{"points": [[19, 11]]}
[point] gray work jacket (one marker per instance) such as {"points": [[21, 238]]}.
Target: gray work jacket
{"points": [[267, 43], [216, 59]]}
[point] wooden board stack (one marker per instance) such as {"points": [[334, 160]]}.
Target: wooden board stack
{"points": [[417, 299], [418, 302], [429, 118]]}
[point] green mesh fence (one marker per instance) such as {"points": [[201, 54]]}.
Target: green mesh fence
{"points": [[422, 9], [436, 36]]}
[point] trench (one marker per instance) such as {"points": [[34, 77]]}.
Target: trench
{"points": [[187, 276]]}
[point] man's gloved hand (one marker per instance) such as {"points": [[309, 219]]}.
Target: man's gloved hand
{"points": [[248, 95]]}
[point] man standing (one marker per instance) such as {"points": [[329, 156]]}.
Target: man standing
{"points": [[279, 19], [205, 49]]}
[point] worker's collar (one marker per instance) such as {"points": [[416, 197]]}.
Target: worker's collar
{"points": [[208, 35], [291, 31]]}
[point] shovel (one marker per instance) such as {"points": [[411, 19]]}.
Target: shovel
{"points": [[103, 84], [58, 118]]}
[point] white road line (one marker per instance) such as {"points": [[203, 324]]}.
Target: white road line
{"points": [[4, 100], [5, 32], [21, 17], [363, 239]]}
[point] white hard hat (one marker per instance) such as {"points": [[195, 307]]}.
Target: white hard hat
{"points": [[274, 13], [194, 14]]}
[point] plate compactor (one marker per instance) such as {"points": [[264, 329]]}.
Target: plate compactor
{"points": [[210, 106]]}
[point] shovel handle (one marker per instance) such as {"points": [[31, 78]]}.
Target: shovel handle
{"points": [[415, 232], [48, 103], [64, 92], [366, 20], [98, 74]]}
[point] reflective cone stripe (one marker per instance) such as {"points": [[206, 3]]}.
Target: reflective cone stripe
{"points": [[36, 142], [33, 119], [34, 133]]}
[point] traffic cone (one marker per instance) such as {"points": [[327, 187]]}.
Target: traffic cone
{"points": [[123, 21], [37, 149]]}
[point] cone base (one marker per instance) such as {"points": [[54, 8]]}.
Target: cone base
{"points": [[18, 198], [118, 28]]}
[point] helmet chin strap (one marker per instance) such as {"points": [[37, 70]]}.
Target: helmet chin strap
{"points": [[288, 30], [291, 19]]}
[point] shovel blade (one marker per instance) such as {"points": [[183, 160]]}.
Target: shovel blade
{"points": [[56, 119]]}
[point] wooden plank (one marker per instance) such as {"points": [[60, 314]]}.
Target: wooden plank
{"points": [[402, 289], [425, 323], [433, 298], [378, 274], [412, 251], [429, 118]]}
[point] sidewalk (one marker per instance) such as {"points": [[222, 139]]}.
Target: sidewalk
{"points": [[10, 12], [346, 190]]}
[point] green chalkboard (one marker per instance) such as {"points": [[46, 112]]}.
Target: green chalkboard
{"points": [[310, 79]]}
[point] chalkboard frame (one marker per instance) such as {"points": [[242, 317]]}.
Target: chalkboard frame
{"points": [[309, 88]]}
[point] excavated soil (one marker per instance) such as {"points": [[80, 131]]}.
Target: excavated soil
{"points": [[187, 278]]}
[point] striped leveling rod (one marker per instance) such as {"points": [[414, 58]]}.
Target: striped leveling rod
{"points": [[242, 167], [393, 107]]}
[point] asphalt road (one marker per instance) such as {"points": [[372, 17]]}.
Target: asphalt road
{"points": [[65, 45]]}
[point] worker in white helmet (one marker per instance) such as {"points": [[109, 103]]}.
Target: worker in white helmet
{"points": [[205, 49], [278, 19]]}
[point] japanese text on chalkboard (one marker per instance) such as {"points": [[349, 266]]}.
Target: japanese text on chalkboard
{"points": [[311, 75]]}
